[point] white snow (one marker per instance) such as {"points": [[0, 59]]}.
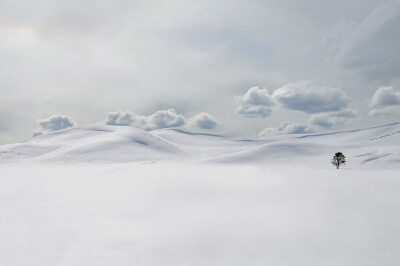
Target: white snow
{"points": [[116, 195]]}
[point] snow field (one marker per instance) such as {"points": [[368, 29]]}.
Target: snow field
{"points": [[109, 195], [197, 214]]}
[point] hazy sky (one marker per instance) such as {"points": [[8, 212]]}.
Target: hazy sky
{"points": [[233, 67]]}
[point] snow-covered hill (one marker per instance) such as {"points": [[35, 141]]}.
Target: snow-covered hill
{"points": [[365, 147], [93, 143], [115, 144]]}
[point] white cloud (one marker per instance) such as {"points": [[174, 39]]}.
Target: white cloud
{"points": [[160, 119], [203, 120], [255, 102], [386, 101], [166, 118], [386, 96], [306, 97], [287, 127], [332, 119], [53, 123]]}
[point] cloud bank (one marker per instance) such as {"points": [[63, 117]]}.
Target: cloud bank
{"points": [[287, 127], [332, 120], [53, 123], [317, 122], [160, 119]]}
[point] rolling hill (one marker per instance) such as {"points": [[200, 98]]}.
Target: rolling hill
{"points": [[121, 144]]}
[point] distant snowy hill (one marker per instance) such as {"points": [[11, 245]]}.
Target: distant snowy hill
{"points": [[107, 144], [93, 143]]}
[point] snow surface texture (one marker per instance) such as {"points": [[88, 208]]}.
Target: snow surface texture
{"points": [[117, 195]]}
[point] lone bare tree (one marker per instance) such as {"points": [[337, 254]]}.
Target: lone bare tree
{"points": [[338, 159]]}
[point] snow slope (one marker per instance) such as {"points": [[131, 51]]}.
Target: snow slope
{"points": [[364, 147], [109, 195]]}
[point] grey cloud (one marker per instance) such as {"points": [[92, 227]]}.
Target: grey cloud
{"points": [[254, 111], [306, 97], [255, 102], [119, 118], [369, 45], [287, 127], [53, 123], [203, 120], [332, 119], [316, 122], [385, 111], [37, 133], [160, 119]]}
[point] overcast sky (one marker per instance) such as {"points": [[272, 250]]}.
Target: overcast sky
{"points": [[234, 67]]}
